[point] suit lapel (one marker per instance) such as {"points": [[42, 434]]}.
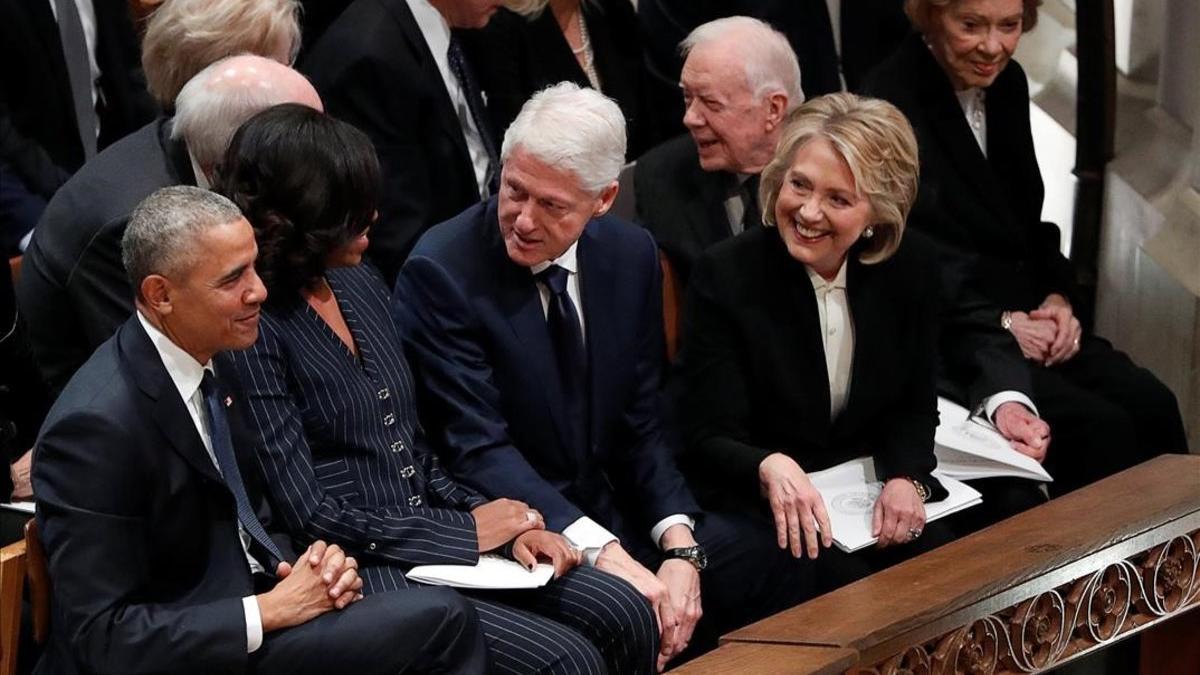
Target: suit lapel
{"points": [[167, 408], [598, 293], [46, 27], [520, 302], [870, 325], [802, 351], [705, 211]]}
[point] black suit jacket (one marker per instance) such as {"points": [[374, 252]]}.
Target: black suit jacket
{"points": [[755, 374], [73, 290], [983, 212], [515, 57], [476, 333], [374, 70], [42, 143], [681, 204], [140, 530]]}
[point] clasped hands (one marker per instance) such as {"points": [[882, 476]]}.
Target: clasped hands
{"points": [[503, 520], [673, 593], [324, 578], [1050, 334], [802, 523]]}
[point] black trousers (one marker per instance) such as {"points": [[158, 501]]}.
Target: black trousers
{"points": [[1105, 414], [427, 630]]}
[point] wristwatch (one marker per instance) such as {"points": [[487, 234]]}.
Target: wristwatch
{"points": [[1006, 320], [692, 554]]}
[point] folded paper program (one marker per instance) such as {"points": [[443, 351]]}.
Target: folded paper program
{"points": [[491, 573], [969, 447]]}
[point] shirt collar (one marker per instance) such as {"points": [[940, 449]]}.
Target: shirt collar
{"points": [[201, 179], [435, 29], [185, 371], [970, 99], [568, 261], [820, 284]]}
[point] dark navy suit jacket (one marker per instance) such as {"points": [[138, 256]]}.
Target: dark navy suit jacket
{"points": [[140, 529], [475, 330]]}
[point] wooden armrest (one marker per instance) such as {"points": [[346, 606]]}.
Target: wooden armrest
{"points": [[38, 573], [12, 580], [769, 659]]}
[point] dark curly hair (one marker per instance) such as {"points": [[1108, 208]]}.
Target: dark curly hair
{"points": [[307, 183]]}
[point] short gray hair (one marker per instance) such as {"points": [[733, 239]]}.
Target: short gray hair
{"points": [[572, 128], [185, 36], [162, 231], [206, 116], [766, 55]]}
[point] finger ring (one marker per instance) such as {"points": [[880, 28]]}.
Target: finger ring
{"points": [[1076, 342], [530, 516], [914, 533]]}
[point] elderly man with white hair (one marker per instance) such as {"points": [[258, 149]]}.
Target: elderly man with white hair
{"points": [[740, 79], [73, 289], [535, 323]]}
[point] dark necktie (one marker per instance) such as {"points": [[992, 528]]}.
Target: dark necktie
{"points": [[751, 216], [79, 72], [470, 88], [563, 321], [222, 444]]}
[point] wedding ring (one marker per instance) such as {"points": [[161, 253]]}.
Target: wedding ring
{"points": [[914, 533], [530, 516]]}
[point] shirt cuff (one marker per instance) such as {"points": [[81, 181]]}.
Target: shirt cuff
{"points": [[665, 524], [254, 632], [587, 535], [991, 403]]}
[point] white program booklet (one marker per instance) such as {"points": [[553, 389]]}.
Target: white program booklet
{"points": [[850, 491], [20, 507], [968, 448], [491, 572]]}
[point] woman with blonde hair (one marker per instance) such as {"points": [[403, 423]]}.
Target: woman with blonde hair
{"points": [[813, 342]]}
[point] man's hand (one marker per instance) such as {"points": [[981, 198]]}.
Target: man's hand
{"points": [[19, 472], [534, 544], [304, 593], [682, 581], [796, 505], [1027, 433], [1034, 336], [898, 513], [615, 560], [499, 522], [1068, 331]]}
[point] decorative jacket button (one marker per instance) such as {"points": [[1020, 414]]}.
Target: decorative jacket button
{"points": [[371, 546], [407, 472], [414, 500], [389, 419], [384, 394], [398, 446]]}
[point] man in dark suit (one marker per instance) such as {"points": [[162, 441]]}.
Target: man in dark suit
{"points": [[73, 290], [535, 322], [837, 41], [160, 561], [393, 69], [66, 91], [697, 190]]}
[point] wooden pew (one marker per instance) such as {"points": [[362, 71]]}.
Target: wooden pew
{"points": [[1038, 590]]}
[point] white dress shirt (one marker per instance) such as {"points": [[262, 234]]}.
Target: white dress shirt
{"points": [[586, 533], [837, 335], [437, 36], [186, 373]]}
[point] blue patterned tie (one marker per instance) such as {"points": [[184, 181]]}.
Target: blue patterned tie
{"points": [[569, 352], [222, 443], [470, 88]]}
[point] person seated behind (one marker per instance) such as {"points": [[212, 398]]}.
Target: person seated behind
{"points": [[981, 199], [740, 79], [814, 342], [535, 324], [330, 400], [153, 522], [73, 290]]}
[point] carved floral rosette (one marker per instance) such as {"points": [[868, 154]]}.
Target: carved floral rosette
{"points": [[1040, 632]]}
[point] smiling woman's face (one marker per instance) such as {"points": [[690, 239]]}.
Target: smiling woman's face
{"points": [[974, 40]]}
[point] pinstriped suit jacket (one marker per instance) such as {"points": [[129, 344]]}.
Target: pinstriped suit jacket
{"points": [[338, 439]]}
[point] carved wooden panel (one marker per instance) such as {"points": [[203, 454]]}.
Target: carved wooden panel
{"points": [[1063, 622]]}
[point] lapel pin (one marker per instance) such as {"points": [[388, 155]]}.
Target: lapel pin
{"points": [[228, 401]]}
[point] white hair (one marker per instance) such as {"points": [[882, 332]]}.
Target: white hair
{"points": [[765, 53], [212, 105], [572, 128]]}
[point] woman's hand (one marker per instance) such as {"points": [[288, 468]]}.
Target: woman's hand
{"points": [[899, 513], [796, 505], [1035, 336], [1068, 331]]}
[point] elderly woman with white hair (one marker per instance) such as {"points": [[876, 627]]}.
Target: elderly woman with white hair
{"points": [[813, 342], [1059, 394]]}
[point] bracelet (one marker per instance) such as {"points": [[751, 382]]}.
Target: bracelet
{"points": [[922, 491]]}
